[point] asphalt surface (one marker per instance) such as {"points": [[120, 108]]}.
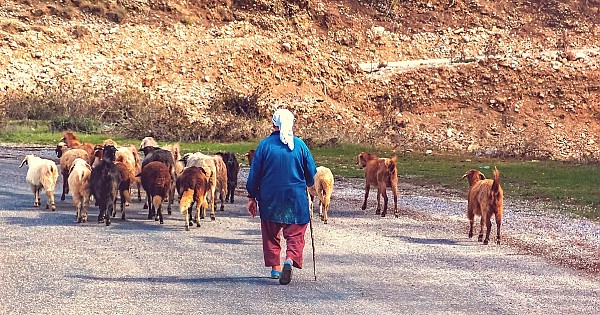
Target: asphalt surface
{"points": [[365, 264]]}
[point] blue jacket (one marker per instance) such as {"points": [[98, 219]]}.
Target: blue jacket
{"points": [[278, 179]]}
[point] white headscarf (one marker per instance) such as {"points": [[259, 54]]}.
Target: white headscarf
{"points": [[284, 119]]}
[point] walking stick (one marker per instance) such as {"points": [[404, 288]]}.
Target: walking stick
{"points": [[312, 237], [312, 240]]}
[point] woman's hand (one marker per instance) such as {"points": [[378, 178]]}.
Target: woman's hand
{"points": [[252, 207]]}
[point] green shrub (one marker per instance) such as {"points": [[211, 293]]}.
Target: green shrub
{"points": [[240, 104], [79, 124]]}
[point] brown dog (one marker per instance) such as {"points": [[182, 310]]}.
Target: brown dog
{"points": [[383, 173], [485, 199]]}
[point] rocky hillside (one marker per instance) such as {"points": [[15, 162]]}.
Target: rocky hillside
{"points": [[511, 78]]}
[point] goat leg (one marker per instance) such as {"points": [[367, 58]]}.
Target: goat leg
{"points": [[199, 211], [488, 223], [471, 222], [160, 214], [148, 206], [171, 197], [364, 206], [395, 192], [497, 232], [230, 193], [385, 202], [139, 187], [65, 189], [50, 200], [378, 211], [101, 214], [36, 197], [108, 212], [480, 237]]}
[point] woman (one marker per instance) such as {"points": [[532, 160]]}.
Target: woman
{"points": [[281, 170]]}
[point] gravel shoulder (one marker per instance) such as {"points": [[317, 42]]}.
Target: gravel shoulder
{"points": [[419, 263]]}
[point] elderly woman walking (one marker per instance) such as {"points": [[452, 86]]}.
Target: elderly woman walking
{"points": [[281, 170]]}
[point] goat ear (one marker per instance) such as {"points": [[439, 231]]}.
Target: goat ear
{"points": [[359, 160], [464, 176], [24, 162], [481, 176]]}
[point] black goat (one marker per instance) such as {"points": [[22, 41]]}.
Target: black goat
{"points": [[104, 184], [233, 169]]}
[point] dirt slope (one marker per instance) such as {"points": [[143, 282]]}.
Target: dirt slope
{"points": [[522, 77]]}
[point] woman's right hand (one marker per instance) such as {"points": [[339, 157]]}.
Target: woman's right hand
{"points": [[252, 207]]}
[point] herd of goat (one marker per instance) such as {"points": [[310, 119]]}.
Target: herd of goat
{"points": [[105, 173]]}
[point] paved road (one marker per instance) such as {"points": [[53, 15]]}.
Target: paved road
{"points": [[415, 264]]}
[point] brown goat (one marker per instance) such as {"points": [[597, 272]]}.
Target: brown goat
{"points": [[485, 198], [127, 180], [192, 187], [249, 156], [156, 180], [67, 156], [383, 173], [73, 143]]}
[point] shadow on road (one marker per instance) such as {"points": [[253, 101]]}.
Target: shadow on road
{"points": [[255, 280], [430, 241]]}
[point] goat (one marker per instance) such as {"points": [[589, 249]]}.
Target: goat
{"points": [[104, 184], [249, 156], [192, 186], [216, 176], [127, 179], [73, 143], [79, 181], [383, 173], [127, 176], [156, 180], [323, 188], [130, 156], [67, 156], [41, 173], [485, 198], [169, 155], [233, 169]]}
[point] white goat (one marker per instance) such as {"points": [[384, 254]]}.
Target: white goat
{"points": [[323, 189], [79, 182], [42, 173]]}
